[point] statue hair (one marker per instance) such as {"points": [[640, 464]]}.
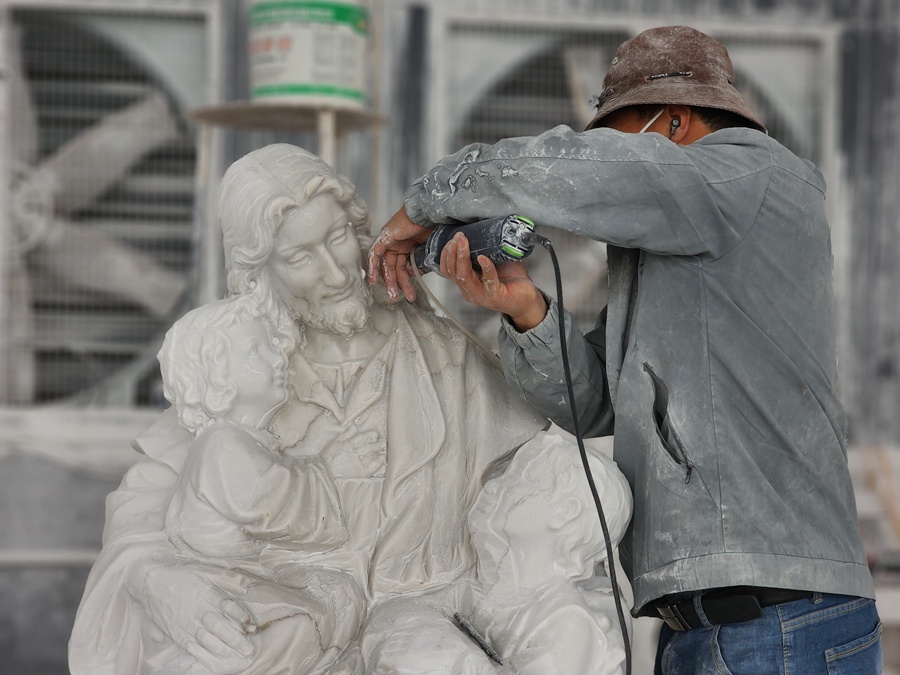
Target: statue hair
{"points": [[557, 476], [193, 359]]}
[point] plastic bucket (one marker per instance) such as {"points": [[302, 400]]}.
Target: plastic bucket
{"points": [[309, 53]]}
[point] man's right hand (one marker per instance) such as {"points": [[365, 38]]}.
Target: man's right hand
{"points": [[507, 289], [184, 603]]}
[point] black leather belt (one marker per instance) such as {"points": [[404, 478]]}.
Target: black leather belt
{"points": [[724, 605]]}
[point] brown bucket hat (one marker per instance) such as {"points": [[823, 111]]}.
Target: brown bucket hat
{"points": [[672, 64]]}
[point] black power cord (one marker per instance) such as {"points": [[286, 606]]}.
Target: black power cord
{"points": [[547, 244]]}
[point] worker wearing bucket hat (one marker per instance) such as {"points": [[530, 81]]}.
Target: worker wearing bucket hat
{"points": [[672, 65], [714, 362]]}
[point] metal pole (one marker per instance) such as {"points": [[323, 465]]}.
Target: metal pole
{"points": [[327, 135], [6, 384]]}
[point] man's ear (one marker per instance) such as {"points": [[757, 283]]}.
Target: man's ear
{"points": [[679, 117]]}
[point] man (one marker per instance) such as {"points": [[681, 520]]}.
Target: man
{"points": [[715, 364], [396, 413]]}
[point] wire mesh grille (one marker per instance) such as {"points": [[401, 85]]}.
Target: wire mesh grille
{"points": [[103, 194]]}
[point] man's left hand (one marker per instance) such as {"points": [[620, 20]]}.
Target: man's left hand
{"points": [[389, 254]]}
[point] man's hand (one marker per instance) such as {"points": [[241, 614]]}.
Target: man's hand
{"points": [[389, 254], [507, 289]]}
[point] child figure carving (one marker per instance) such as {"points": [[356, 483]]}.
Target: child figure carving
{"points": [[239, 502], [542, 598]]}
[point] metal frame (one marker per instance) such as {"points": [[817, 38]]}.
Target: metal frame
{"points": [[5, 227]]}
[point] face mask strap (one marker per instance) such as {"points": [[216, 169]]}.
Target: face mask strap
{"points": [[655, 117]]}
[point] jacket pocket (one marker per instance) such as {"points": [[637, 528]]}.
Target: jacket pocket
{"points": [[664, 430]]}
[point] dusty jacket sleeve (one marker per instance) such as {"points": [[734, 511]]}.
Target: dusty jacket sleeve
{"points": [[630, 190], [532, 365]]}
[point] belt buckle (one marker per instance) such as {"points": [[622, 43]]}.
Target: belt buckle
{"points": [[673, 617]]}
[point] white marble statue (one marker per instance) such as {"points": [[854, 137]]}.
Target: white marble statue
{"points": [[306, 496]]}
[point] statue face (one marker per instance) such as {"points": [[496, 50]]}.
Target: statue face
{"points": [[316, 268], [257, 367]]}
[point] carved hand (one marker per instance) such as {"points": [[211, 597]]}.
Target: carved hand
{"points": [[355, 454], [203, 620]]}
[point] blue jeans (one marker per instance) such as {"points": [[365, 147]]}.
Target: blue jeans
{"points": [[823, 635]]}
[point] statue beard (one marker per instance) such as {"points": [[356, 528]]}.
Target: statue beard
{"points": [[343, 318]]}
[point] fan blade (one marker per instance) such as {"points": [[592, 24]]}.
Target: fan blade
{"points": [[93, 161], [92, 261]]}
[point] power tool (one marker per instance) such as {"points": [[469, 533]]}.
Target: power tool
{"points": [[501, 239]]}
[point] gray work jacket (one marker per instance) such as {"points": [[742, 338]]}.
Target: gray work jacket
{"points": [[716, 367]]}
